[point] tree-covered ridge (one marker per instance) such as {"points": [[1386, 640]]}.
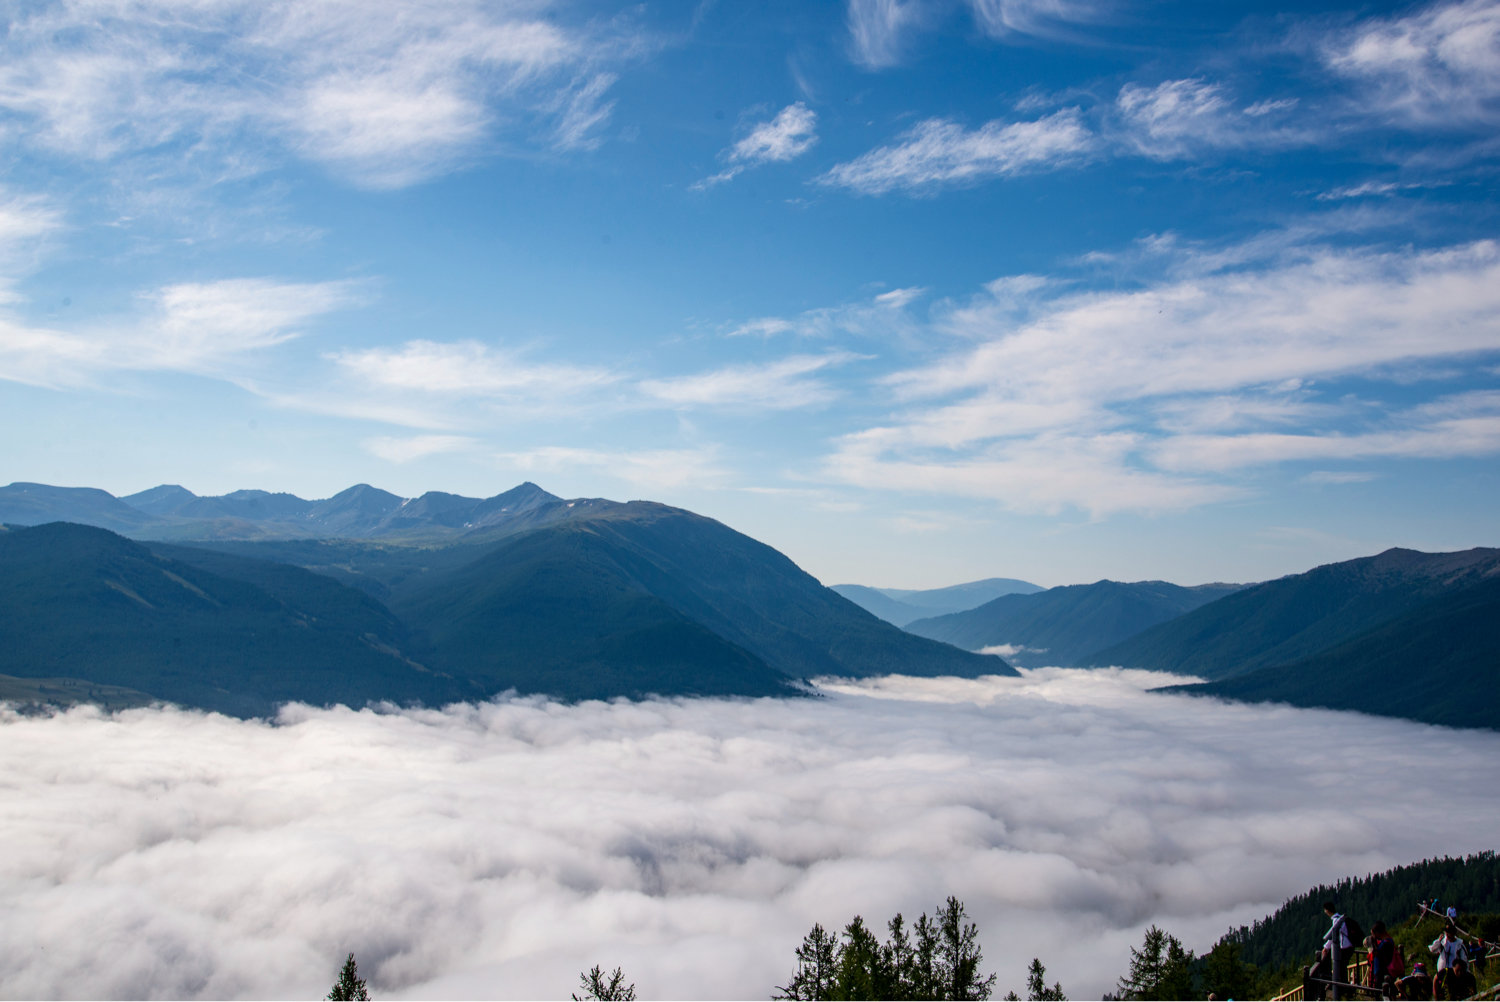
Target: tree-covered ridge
{"points": [[1471, 883]]}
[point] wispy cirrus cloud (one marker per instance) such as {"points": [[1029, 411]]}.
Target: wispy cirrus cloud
{"points": [[879, 30], [883, 315], [787, 136], [205, 328], [384, 96], [465, 368], [785, 384], [1436, 67], [398, 449], [1050, 19], [939, 152], [1145, 400]]}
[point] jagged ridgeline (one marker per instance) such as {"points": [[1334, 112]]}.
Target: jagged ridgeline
{"points": [[1471, 883], [259, 599]]}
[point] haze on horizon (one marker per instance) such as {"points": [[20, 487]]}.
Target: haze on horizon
{"points": [[1018, 288]]}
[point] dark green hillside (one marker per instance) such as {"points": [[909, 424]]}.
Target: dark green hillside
{"points": [[1060, 626], [1289, 620], [83, 603], [554, 612], [1439, 664], [376, 567], [542, 594], [1296, 929], [754, 596]]}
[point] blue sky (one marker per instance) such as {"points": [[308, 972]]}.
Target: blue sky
{"points": [[917, 292]]}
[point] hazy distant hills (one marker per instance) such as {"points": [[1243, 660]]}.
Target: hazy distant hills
{"points": [[1062, 626], [428, 600], [361, 512], [904, 605]]}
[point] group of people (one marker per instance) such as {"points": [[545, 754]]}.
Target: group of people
{"points": [[1455, 962]]}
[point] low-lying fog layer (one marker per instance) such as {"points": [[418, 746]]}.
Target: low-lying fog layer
{"points": [[496, 850]]}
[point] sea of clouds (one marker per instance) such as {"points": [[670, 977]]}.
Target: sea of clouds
{"points": [[497, 850]]}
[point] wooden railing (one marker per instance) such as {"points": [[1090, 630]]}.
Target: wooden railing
{"points": [[1358, 973]]}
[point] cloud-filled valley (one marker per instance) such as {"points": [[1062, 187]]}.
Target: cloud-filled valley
{"points": [[496, 850]]}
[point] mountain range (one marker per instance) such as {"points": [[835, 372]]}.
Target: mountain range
{"points": [[243, 601], [905, 605], [1062, 626], [423, 601]]}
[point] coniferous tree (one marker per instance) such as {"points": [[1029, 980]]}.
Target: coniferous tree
{"points": [[959, 955], [350, 987], [1036, 984], [926, 976], [1160, 969], [1225, 974], [861, 972], [937, 960], [816, 967], [599, 988]]}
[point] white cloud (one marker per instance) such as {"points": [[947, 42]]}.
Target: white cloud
{"points": [[465, 368], [1047, 474], [26, 224], [882, 316], [939, 152], [386, 95], [779, 385], [1325, 313], [498, 850], [1165, 119], [787, 136], [204, 328], [1051, 19], [1138, 400], [1437, 67], [405, 449], [1465, 425], [878, 30], [585, 113]]}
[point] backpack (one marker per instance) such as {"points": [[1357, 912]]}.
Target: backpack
{"points": [[1398, 960], [1355, 932]]}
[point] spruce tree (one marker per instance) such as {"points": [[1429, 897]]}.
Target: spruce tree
{"points": [[350, 987], [1036, 984], [1160, 969], [959, 955], [598, 988], [816, 967]]}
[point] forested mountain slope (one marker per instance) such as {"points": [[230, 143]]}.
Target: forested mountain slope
{"points": [[1289, 620]]}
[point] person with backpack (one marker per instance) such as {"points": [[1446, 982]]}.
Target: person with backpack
{"points": [[1382, 955], [1336, 945]]}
